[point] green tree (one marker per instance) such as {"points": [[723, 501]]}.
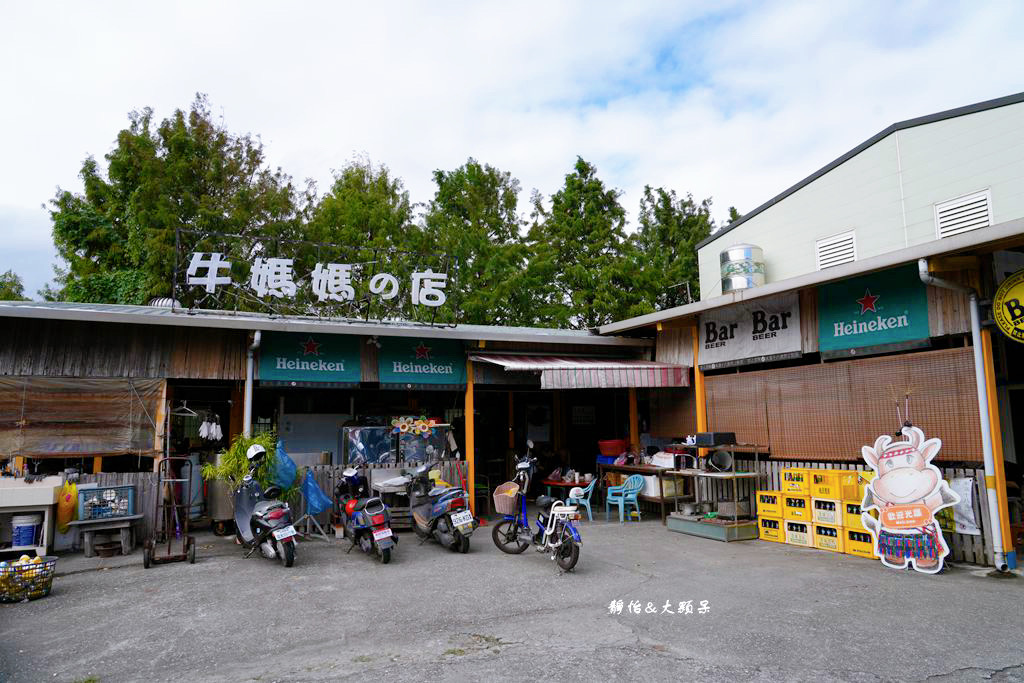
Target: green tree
{"points": [[118, 236], [668, 231], [11, 287], [474, 219], [580, 265]]}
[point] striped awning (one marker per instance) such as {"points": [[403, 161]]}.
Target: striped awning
{"points": [[567, 372]]}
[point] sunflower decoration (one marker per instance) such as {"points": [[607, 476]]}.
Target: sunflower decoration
{"points": [[402, 425], [424, 427]]}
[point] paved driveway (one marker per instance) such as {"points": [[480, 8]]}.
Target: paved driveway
{"points": [[775, 612]]}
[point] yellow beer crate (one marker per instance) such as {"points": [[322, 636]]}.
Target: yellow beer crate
{"points": [[863, 478], [796, 480], [770, 529], [833, 484], [828, 537], [860, 543], [825, 511], [769, 504], [851, 515], [798, 533], [795, 506]]}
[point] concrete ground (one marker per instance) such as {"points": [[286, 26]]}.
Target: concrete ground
{"points": [[776, 613]]}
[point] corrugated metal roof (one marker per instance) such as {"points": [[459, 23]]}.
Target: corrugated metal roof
{"points": [[148, 315]]}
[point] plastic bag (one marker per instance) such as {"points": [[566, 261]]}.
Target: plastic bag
{"points": [[67, 506], [621, 460], [284, 468], [316, 500]]}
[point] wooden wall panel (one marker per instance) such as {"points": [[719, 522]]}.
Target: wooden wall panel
{"points": [[809, 320], [60, 348], [948, 312], [828, 411], [675, 346]]}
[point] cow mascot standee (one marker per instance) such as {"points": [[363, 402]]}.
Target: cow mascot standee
{"points": [[907, 493]]}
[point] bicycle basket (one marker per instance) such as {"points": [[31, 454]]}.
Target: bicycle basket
{"points": [[505, 498]]}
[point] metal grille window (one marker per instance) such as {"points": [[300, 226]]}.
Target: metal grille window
{"points": [[963, 214], [836, 250]]}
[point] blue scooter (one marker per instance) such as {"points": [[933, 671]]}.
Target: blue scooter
{"points": [[365, 520]]}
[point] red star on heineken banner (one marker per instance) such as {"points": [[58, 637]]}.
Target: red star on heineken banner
{"points": [[867, 302], [422, 351], [310, 347]]}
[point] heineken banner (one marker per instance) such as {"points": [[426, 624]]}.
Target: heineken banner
{"points": [[750, 332], [406, 361], [888, 307], [302, 358]]}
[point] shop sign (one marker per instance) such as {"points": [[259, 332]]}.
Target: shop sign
{"points": [[414, 361], [287, 357], [907, 492], [751, 332], [883, 308], [1008, 306]]}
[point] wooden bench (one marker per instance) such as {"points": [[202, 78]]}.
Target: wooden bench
{"points": [[90, 527]]}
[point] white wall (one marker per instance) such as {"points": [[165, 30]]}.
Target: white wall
{"points": [[935, 162]]}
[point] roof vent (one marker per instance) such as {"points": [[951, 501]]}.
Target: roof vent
{"points": [[164, 302], [836, 250], [963, 214]]}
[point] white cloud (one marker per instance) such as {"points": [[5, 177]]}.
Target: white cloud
{"points": [[736, 101]]}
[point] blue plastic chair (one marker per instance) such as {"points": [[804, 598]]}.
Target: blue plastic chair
{"points": [[584, 500], [624, 495]]}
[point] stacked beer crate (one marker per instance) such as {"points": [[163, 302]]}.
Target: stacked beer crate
{"points": [[816, 509]]}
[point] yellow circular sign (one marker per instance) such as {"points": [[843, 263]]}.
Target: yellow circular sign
{"points": [[1008, 306]]}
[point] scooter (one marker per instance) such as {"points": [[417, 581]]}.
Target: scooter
{"points": [[555, 533], [439, 512], [365, 521], [262, 521]]}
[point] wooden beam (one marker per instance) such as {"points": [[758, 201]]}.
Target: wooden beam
{"points": [[470, 438], [945, 264], [511, 422], [698, 390], [97, 464], [997, 444]]}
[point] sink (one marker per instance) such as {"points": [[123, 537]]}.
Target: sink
{"points": [[15, 492]]}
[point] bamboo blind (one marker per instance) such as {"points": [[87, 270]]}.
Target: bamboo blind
{"points": [[829, 411]]}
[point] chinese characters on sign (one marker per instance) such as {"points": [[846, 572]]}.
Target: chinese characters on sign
{"points": [[275, 277], [684, 607]]}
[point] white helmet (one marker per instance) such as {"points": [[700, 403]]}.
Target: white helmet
{"points": [[255, 452]]}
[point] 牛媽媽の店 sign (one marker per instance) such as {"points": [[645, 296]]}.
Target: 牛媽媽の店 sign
{"points": [[411, 361], [302, 358], [880, 309], [750, 332]]}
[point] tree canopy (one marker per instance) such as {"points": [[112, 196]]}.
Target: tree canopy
{"points": [[571, 262], [11, 287]]}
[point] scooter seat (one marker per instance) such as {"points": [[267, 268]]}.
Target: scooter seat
{"points": [[544, 502]]}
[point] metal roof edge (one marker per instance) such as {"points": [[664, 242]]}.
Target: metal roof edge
{"points": [[902, 125], [967, 240], [144, 315]]}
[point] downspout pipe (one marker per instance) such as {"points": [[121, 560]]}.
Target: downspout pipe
{"points": [[999, 555], [247, 403]]}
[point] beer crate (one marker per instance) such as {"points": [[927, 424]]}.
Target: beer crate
{"points": [[863, 479], [796, 480], [798, 533], [769, 503], [833, 484], [795, 506], [770, 529], [825, 511], [860, 543], [851, 515], [827, 537]]}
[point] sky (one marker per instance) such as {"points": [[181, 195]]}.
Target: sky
{"points": [[735, 101]]}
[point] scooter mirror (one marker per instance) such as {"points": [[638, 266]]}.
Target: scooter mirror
{"points": [[529, 444], [247, 478]]}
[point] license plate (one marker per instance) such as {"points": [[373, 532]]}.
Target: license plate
{"points": [[462, 518], [284, 532], [381, 534]]}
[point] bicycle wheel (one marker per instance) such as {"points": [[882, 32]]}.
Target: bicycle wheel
{"points": [[506, 536]]}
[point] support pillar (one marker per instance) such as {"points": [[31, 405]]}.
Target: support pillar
{"points": [[698, 389], [634, 420], [470, 438], [511, 422], [97, 464], [997, 447]]}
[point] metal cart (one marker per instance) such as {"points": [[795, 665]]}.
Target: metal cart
{"points": [[170, 540]]}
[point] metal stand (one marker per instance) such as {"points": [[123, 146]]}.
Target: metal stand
{"points": [[170, 524], [310, 520]]}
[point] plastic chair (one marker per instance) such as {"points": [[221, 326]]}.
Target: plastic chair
{"points": [[624, 495], [584, 500], [483, 492]]}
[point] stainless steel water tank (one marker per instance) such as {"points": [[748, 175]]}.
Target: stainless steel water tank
{"points": [[742, 267]]}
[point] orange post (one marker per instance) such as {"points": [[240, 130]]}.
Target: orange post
{"points": [[470, 438], [698, 389], [634, 420], [97, 464], [997, 439]]}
